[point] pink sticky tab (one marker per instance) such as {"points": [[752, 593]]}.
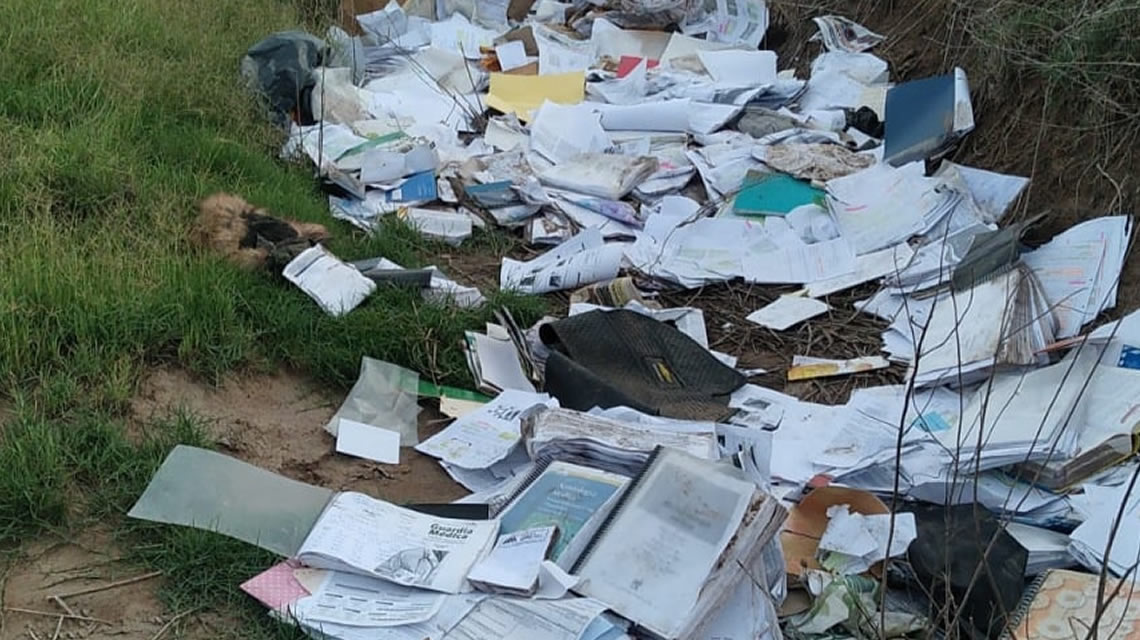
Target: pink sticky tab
{"points": [[276, 587]]}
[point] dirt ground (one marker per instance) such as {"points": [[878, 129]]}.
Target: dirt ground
{"points": [[50, 569], [276, 422], [273, 421]]}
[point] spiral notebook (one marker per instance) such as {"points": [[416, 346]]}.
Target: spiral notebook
{"points": [[1062, 604], [671, 552]]}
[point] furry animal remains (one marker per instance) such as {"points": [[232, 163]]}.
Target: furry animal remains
{"points": [[248, 236]]}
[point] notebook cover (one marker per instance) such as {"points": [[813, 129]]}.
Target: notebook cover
{"points": [[1062, 604]]}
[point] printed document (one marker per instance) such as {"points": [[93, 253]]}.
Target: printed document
{"points": [[363, 535], [361, 601], [486, 436]]}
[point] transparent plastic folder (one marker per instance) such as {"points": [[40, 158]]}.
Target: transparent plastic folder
{"points": [[207, 490]]}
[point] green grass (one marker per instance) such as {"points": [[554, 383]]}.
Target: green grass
{"points": [[1084, 52], [116, 118]]}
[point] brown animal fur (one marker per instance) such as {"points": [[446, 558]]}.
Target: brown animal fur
{"points": [[222, 224]]}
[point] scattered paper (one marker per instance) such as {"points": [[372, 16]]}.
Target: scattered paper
{"points": [[581, 260], [450, 227], [362, 535], [786, 311], [484, 437], [361, 601], [853, 542], [368, 442], [561, 132]]}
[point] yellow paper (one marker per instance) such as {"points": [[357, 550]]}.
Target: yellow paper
{"points": [[521, 95], [457, 408]]}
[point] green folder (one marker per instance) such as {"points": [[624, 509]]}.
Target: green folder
{"points": [[773, 194]]}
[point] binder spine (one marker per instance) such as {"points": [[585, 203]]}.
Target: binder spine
{"points": [[540, 467], [1018, 615], [619, 506]]}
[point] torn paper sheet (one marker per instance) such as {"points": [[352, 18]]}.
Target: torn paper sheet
{"points": [[787, 311], [740, 22], [853, 542], [520, 619], [840, 34], [496, 362], [806, 367], [484, 437], [368, 442], [335, 286], [882, 206], [560, 132], [614, 218]]}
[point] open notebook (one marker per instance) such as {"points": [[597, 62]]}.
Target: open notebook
{"points": [[679, 544]]}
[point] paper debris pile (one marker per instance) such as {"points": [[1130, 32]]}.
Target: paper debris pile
{"points": [[629, 481]]}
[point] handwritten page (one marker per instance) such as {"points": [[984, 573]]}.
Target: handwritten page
{"points": [[486, 436]]}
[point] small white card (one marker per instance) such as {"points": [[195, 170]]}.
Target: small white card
{"points": [[512, 55], [368, 442]]}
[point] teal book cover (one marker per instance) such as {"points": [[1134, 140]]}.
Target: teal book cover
{"points": [[773, 194], [564, 495]]}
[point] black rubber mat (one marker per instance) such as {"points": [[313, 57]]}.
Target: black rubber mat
{"points": [[622, 358]]}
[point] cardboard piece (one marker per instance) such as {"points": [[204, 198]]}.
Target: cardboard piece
{"points": [[808, 520]]}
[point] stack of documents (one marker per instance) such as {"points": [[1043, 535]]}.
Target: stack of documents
{"points": [[673, 573], [602, 443], [1021, 416], [495, 362], [1046, 549], [1005, 321], [1089, 543]]}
